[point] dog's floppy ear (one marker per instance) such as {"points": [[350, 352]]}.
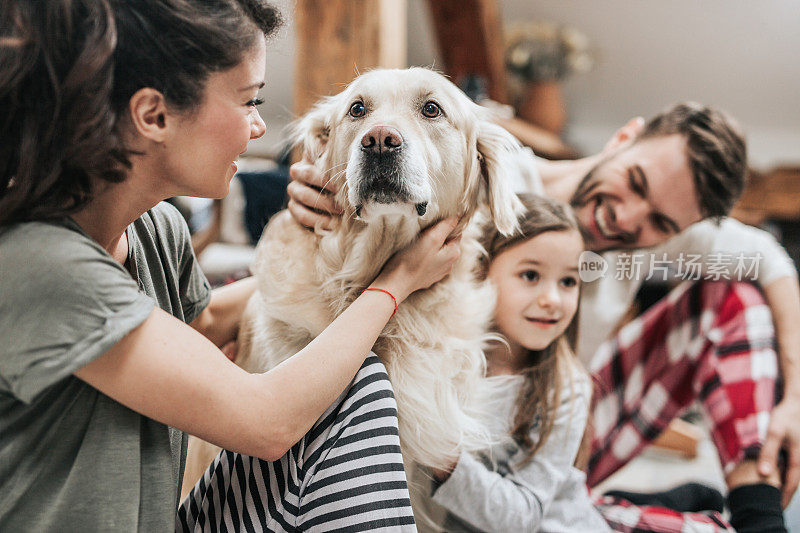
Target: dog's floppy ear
{"points": [[311, 131], [497, 151]]}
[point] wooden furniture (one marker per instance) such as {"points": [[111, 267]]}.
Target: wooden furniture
{"points": [[543, 142], [681, 437], [338, 38], [469, 34], [774, 195]]}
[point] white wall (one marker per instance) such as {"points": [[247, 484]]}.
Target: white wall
{"points": [[277, 93], [740, 55]]}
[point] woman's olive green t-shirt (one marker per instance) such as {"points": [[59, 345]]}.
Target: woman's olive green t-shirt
{"points": [[71, 458]]}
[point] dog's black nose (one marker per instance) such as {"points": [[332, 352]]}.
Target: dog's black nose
{"points": [[381, 139]]}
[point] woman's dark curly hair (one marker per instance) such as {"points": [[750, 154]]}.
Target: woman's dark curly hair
{"points": [[68, 69]]}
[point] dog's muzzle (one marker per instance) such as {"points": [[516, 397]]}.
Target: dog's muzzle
{"points": [[383, 171], [382, 140]]}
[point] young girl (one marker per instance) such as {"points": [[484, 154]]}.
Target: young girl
{"points": [[528, 482], [109, 331]]}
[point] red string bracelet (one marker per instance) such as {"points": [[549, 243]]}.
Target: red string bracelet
{"points": [[387, 292]]}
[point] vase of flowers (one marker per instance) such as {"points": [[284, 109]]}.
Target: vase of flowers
{"points": [[539, 56]]}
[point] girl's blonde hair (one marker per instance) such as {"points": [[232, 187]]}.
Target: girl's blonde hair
{"points": [[547, 369]]}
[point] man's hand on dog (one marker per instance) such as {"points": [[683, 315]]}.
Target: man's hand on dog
{"points": [[424, 262], [311, 200]]}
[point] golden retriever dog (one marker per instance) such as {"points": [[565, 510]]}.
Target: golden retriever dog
{"points": [[406, 148]]}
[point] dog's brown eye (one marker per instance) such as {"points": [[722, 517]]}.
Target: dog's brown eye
{"points": [[357, 110], [431, 109]]}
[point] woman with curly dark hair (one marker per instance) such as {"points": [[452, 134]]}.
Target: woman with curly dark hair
{"points": [[110, 333]]}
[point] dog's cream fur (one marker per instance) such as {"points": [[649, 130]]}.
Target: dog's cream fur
{"points": [[432, 348]]}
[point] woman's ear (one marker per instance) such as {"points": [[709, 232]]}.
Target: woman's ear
{"points": [[313, 129], [497, 151], [626, 133], [149, 114]]}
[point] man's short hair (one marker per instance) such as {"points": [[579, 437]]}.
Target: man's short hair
{"points": [[716, 151]]}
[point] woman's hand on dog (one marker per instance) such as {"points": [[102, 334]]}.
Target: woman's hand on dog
{"points": [[423, 262], [311, 199]]}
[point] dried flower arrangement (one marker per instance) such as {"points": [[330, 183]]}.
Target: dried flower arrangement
{"points": [[539, 55], [545, 51]]}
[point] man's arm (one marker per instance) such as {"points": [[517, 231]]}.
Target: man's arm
{"points": [[776, 274], [783, 296]]}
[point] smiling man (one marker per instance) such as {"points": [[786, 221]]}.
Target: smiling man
{"points": [[638, 196], [665, 187], [653, 180]]}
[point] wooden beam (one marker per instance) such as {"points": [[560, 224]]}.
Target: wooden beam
{"points": [[544, 143], [336, 39], [469, 34], [680, 436]]}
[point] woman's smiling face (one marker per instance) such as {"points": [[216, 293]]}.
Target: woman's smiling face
{"points": [[207, 140], [537, 289]]}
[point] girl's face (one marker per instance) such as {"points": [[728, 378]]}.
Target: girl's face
{"points": [[537, 289], [201, 154]]}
